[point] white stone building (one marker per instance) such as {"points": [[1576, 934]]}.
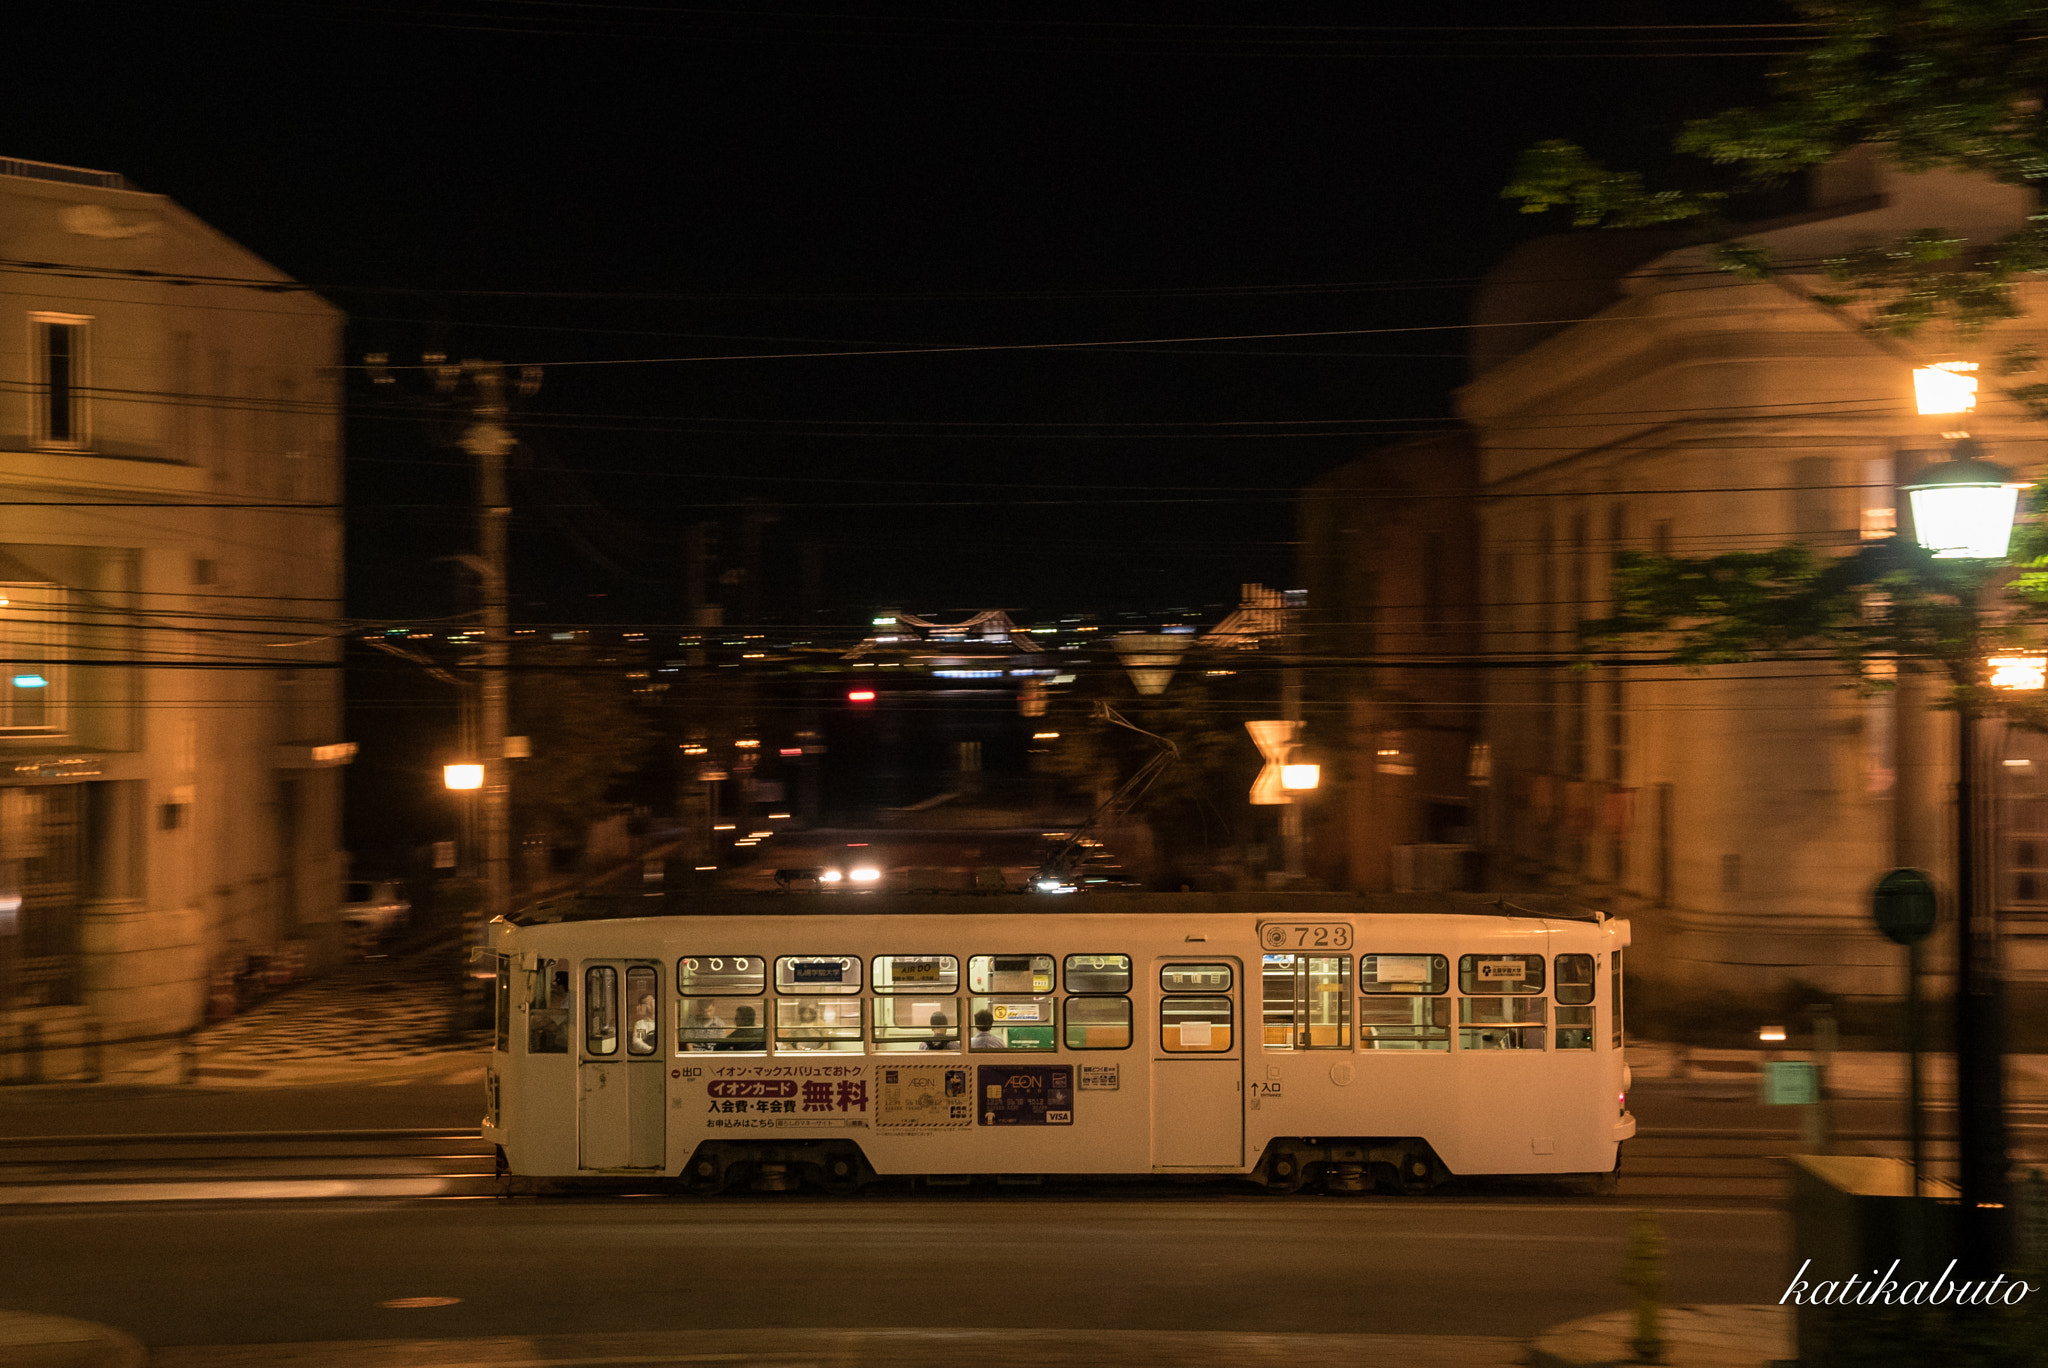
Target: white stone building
{"points": [[1630, 395], [170, 564]]}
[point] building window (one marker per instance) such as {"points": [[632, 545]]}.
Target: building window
{"points": [[57, 342], [31, 637]]}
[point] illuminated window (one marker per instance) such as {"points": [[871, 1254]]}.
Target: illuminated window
{"points": [[1574, 988], [31, 642], [57, 342], [1306, 1002]]}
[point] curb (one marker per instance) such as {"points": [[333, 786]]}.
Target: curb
{"points": [[1694, 1337], [28, 1340]]}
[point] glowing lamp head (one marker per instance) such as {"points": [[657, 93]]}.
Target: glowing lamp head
{"points": [[1947, 387], [1771, 1034], [463, 776], [1963, 509], [2018, 672], [1300, 778]]}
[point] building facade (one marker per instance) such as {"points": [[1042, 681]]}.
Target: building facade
{"points": [[1740, 814], [170, 595], [1391, 694]]}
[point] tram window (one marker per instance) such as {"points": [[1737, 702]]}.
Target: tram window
{"points": [[1195, 1025], [1404, 974], [1098, 973], [917, 1023], [705, 1023], [1305, 1002], [504, 996], [1404, 1023], [1500, 973], [643, 1035], [1014, 1024], [721, 975], [1009, 974], [1574, 1027], [1501, 1023], [547, 1011], [1614, 1000], [1098, 1023], [833, 1024], [1575, 979], [817, 974], [1195, 978], [601, 1009], [1327, 979], [916, 974]]}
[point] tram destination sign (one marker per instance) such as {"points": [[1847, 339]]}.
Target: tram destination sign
{"points": [[1305, 935]]}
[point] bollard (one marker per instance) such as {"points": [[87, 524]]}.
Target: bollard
{"points": [[1642, 1272]]}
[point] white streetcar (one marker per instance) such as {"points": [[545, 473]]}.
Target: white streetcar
{"points": [[825, 1039]]}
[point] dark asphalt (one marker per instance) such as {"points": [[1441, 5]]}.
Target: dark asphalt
{"points": [[282, 1272]]}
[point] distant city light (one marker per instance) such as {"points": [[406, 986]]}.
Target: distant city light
{"points": [[30, 681], [1771, 1033], [860, 696], [463, 776], [1045, 736], [778, 816], [723, 826], [2019, 672], [1947, 387]]}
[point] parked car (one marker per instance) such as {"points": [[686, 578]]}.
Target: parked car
{"points": [[375, 909]]}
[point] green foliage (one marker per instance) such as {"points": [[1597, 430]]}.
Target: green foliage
{"points": [[1558, 174], [1890, 600], [1938, 83]]}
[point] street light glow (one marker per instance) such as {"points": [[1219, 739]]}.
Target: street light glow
{"points": [[463, 776], [2019, 672], [1946, 387], [1299, 778], [1963, 508]]}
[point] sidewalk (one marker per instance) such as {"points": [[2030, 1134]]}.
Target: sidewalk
{"points": [[1851, 1073], [1695, 1337], [379, 1020]]}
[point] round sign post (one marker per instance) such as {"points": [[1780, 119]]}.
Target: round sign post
{"points": [[1906, 907]]}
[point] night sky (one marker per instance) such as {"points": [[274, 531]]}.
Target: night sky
{"points": [[702, 192]]}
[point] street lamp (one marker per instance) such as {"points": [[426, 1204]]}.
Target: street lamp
{"points": [[1963, 511]]}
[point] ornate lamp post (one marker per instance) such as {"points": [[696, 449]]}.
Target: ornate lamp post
{"points": [[1963, 511]]}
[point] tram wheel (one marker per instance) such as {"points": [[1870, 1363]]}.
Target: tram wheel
{"points": [[841, 1176], [706, 1178], [1416, 1175]]}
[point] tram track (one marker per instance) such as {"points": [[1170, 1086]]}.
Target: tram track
{"points": [[368, 1162], [1741, 1164]]}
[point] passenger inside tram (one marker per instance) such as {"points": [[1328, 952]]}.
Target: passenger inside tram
{"points": [[745, 1035], [985, 1037]]}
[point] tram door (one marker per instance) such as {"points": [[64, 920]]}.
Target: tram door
{"points": [[1198, 1067], [619, 1118]]}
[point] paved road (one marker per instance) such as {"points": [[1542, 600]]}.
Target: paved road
{"points": [[272, 1272]]}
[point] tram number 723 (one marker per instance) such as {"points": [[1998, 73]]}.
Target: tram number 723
{"points": [[1305, 935]]}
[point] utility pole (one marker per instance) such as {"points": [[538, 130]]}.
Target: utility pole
{"points": [[488, 438]]}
